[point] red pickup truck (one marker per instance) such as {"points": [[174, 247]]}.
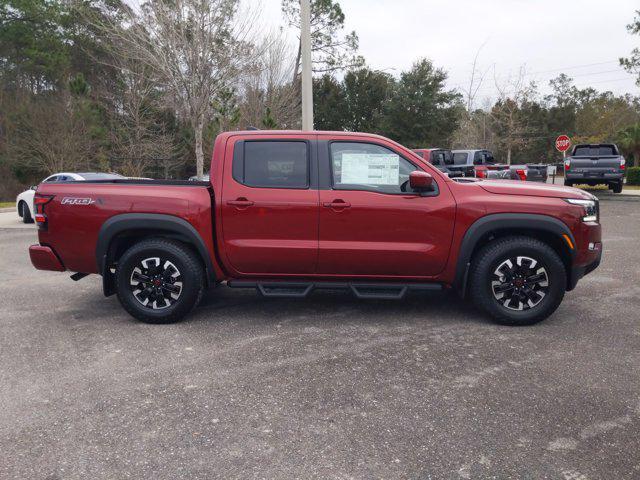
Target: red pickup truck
{"points": [[287, 212]]}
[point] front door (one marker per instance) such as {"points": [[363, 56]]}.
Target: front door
{"points": [[270, 205], [371, 223]]}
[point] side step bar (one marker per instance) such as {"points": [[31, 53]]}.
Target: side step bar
{"points": [[391, 291]]}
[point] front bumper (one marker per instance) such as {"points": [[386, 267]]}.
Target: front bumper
{"points": [[43, 258], [579, 271]]}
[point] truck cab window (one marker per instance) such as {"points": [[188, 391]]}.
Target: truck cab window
{"points": [[437, 158], [460, 158], [273, 164], [448, 158], [365, 166]]}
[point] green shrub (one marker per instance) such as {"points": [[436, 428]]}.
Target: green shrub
{"points": [[633, 176]]}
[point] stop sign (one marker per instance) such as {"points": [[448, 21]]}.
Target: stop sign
{"points": [[563, 143]]}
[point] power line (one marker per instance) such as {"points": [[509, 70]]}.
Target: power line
{"points": [[530, 74], [494, 88]]}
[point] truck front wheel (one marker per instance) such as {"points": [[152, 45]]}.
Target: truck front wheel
{"points": [[159, 280], [517, 280]]}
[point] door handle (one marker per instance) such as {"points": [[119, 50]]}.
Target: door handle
{"points": [[240, 202], [337, 204]]}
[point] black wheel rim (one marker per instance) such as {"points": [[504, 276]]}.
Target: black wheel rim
{"points": [[519, 283], [156, 283]]}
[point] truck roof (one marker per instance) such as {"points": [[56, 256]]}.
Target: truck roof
{"points": [[260, 133]]}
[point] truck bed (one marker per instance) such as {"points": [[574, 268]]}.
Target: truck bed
{"points": [[79, 210]]}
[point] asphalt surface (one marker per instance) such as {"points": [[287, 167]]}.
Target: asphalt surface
{"points": [[327, 387]]}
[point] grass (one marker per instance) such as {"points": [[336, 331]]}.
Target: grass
{"points": [[604, 187], [7, 204]]}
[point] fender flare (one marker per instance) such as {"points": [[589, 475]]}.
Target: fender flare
{"points": [[147, 221], [501, 222]]}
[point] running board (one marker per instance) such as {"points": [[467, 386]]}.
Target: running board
{"points": [[390, 291]]}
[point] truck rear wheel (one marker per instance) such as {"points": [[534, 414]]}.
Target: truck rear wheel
{"points": [[159, 280], [517, 280], [616, 187]]}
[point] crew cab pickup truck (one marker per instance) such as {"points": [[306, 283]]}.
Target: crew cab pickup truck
{"points": [[599, 164], [289, 212]]}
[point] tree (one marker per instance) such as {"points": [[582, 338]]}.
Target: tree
{"points": [[602, 116], [196, 48], [330, 49], [632, 63], [34, 53], [268, 98], [329, 104], [50, 135], [366, 95], [420, 111], [474, 131], [510, 125], [629, 141], [139, 135]]}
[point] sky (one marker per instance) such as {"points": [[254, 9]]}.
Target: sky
{"points": [[582, 38]]}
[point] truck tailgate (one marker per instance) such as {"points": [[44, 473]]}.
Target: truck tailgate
{"points": [[594, 166]]}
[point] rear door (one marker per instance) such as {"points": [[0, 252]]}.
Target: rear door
{"points": [[270, 204], [371, 224]]}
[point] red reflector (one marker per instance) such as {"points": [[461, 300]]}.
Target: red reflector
{"points": [[41, 218]]}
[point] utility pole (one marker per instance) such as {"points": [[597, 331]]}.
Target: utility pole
{"points": [[307, 85]]}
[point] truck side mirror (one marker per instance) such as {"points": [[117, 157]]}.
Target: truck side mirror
{"points": [[420, 181]]}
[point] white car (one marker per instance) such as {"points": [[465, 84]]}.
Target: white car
{"points": [[24, 201]]}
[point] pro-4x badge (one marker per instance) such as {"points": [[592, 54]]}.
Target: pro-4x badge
{"points": [[77, 201]]}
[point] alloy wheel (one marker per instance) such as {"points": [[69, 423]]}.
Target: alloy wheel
{"points": [[156, 283], [519, 283]]}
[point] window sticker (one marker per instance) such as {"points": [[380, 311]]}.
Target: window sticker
{"points": [[370, 168]]}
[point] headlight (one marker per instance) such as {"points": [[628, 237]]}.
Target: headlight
{"points": [[591, 210]]}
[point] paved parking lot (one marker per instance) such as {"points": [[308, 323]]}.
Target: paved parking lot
{"points": [[328, 387]]}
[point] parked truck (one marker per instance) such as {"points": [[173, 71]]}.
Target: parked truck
{"points": [[440, 158], [595, 164], [482, 164], [289, 212]]}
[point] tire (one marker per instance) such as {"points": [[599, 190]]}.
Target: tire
{"points": [[165, 273], [24, 213], [616, 187], [514, 307]]}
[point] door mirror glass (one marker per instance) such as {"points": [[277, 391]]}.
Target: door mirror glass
{"points": [[420, 181]]}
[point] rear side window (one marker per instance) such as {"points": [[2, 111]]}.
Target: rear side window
{"points": [[272, 164], [460, 158]]}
